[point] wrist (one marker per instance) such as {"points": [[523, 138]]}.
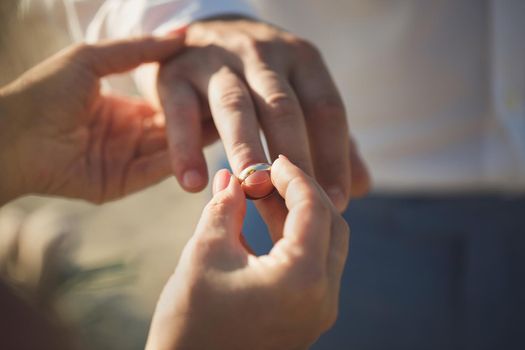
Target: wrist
{"points": [[11, 180]]}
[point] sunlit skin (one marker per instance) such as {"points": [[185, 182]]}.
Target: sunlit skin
{"points": [[221, 296], [243, 77], [69, 138], [62, 135]]}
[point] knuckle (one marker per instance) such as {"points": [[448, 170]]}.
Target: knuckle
{"points": [[306, 49], [327, 106], [311, 199], [221, 206], [282, 105], [242, 153], [302, 184], [84, 55], [234, 99], [206, 245], [250, 47], [311, 204], [82, 50]]}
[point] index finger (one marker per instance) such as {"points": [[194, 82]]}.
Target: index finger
{"points": [[306, 232], [120, 56]]}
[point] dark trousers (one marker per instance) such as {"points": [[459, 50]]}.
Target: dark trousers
{"points": [[428, 273]]}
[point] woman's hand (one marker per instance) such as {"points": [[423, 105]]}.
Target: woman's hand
{"points": [[61, 135], [223, 297]]}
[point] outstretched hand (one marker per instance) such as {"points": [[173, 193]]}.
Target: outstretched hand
{"points": [[239, 77], [62, 135]]}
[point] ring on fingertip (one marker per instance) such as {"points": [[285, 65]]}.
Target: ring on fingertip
{"points": [[250, 170]]}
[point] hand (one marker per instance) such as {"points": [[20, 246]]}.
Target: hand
{"points": [[223, 297], [62, 136], [250, 75]]}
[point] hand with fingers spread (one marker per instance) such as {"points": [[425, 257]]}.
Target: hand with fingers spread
{"points": [[61, 135], [239, 76], [223, 297]]}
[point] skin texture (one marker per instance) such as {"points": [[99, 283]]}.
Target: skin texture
{"points": [[235, 78], [240, 76], [223, 297], [63, 136]]}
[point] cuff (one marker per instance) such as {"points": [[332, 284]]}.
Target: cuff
{"points": [[194, 11]]}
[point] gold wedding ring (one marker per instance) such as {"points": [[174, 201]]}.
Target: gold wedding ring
{"points": [[250, 170]]}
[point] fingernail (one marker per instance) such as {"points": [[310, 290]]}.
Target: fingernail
{"points": [[337, 197], [232, 181], [192, 179], [221, 180], [280, 156]]}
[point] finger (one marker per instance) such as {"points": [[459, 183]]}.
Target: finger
{"points": [[246, 245], [129, 113], [283, 123], [209, 132], [280, 116], [234, 114], [361, 180], [273, 212], [221, 180], [147, 171], [183, 128], [152, 141], [338, 251], [337, 256], [328, 128], [132, 106], [307, 227], [222, 218], [123, 55]]}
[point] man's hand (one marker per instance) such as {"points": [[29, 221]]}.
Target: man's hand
{"points": [[223, 297], [240, 76], [60, 135]]}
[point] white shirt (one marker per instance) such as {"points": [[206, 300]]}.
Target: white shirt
{"points": [[435, 89]]}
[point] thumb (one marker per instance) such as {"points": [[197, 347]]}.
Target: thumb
{"points": [[119, 56], [222, 218]]}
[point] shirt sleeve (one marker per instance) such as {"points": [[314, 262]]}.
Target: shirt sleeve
{"points": [[119, 19], [122, 18]]}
